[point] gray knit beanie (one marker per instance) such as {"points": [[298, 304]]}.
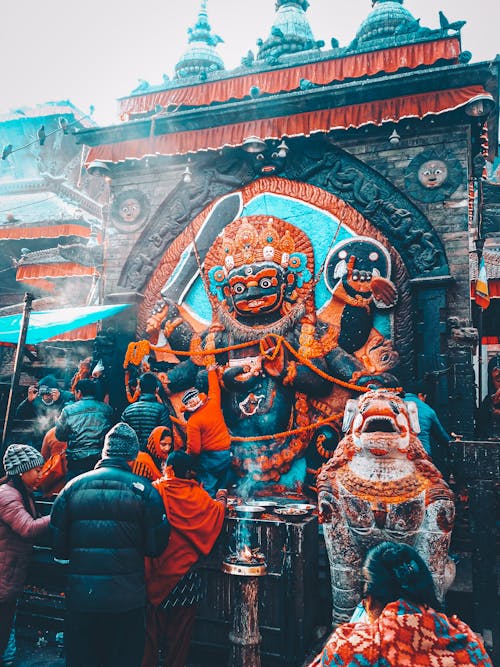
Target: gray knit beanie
{"points": [[21, 458], [121, 442]]}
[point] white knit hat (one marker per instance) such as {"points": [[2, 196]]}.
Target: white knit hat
{"points": [[21, 458]]}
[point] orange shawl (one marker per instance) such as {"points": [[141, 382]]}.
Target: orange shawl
{"points": [[145, 467], [153, 444], [196, 520]]}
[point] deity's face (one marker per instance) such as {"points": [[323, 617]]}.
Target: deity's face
{"points": [[130, 209], [433, 173], [256, 289]]}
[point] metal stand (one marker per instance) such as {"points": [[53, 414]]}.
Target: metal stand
{"points": [[245, 637]]}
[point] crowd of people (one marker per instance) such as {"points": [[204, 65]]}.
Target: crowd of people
{"points": [[134, 510], [129, 519]]}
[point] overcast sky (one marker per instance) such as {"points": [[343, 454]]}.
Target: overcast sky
{"points": [[94, 51]]}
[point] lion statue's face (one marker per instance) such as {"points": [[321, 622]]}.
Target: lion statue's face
{"points": [[382, 424]]}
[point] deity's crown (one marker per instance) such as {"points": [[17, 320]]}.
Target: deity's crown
{"points": [[256, 240]]}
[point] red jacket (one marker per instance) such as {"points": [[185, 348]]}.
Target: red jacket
{"points": [[206, 429], [18, 533]]}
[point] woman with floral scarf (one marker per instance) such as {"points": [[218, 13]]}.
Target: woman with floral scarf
{"points": [[402, 625]]}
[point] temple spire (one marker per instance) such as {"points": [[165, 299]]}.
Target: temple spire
{"points": [[290, 32], [387, 19], [201, 57]]}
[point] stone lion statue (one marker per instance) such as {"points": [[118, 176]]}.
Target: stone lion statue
{"points": [[381, 485]]}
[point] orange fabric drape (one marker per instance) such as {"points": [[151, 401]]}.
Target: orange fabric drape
{"points": [[279, 80], [44, 231], [57, 270], [196, 521], [88, 332], [303, 124]]}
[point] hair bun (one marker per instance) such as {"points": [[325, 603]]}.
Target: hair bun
{"points": [[406, 572]]}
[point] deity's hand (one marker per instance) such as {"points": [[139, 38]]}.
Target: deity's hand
{"points": [[375, 380], [273, 355], [384, 292], [239, 378]]}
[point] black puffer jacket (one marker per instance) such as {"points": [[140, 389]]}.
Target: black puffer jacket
{"points": [[144, 415], [83, 426], [105, 522]]}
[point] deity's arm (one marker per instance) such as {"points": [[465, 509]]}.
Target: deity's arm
{"points": [[182, 376], [346, 367], [175, 327]]}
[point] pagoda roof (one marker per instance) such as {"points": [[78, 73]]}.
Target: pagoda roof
{"points": [[42, 267], [348, 104], [333, 66], [46, 207]]}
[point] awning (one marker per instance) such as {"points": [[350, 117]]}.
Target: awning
{"points": [[303, 124], [50, 323], [278, 80], [32, 272], [45, 231]]}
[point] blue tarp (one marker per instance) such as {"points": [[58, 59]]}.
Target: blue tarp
{"points": [[45, 324]]}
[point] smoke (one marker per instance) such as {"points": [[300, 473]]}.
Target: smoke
{"points": [[242, 535], [44, 423], [248, 485]]}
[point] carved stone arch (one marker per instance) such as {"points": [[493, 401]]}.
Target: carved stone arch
{"points": [[212, 177], [311, 161], [387, 208]]}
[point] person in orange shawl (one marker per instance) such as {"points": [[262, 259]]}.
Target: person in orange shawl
{"points": [[172, 583], [401, 625], [207, 434], [159, 445]]}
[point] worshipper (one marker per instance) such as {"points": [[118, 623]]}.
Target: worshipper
{"points": [[172, 582], [51, 445], [53, 474], [105, 522], [403, 624], [147, 412], [43, 405], [20, 525], [207, 436], [434, 438], [83, 426], [159, 445]]}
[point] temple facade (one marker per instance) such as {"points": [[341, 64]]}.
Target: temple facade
{"points": [[383, 140]]}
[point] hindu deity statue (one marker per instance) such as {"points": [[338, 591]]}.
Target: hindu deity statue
{"points": [[380, 485], [279, 361]]}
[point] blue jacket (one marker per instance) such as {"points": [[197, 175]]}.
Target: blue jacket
{"points": [[83, 426], [431, 430]]}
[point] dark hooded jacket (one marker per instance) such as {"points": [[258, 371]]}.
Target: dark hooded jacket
{"points": [[105, 522]]}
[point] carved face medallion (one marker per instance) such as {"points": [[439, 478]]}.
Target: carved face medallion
{"points": [[130, 210], [433, 176], [256, 289], [433, 173]]}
